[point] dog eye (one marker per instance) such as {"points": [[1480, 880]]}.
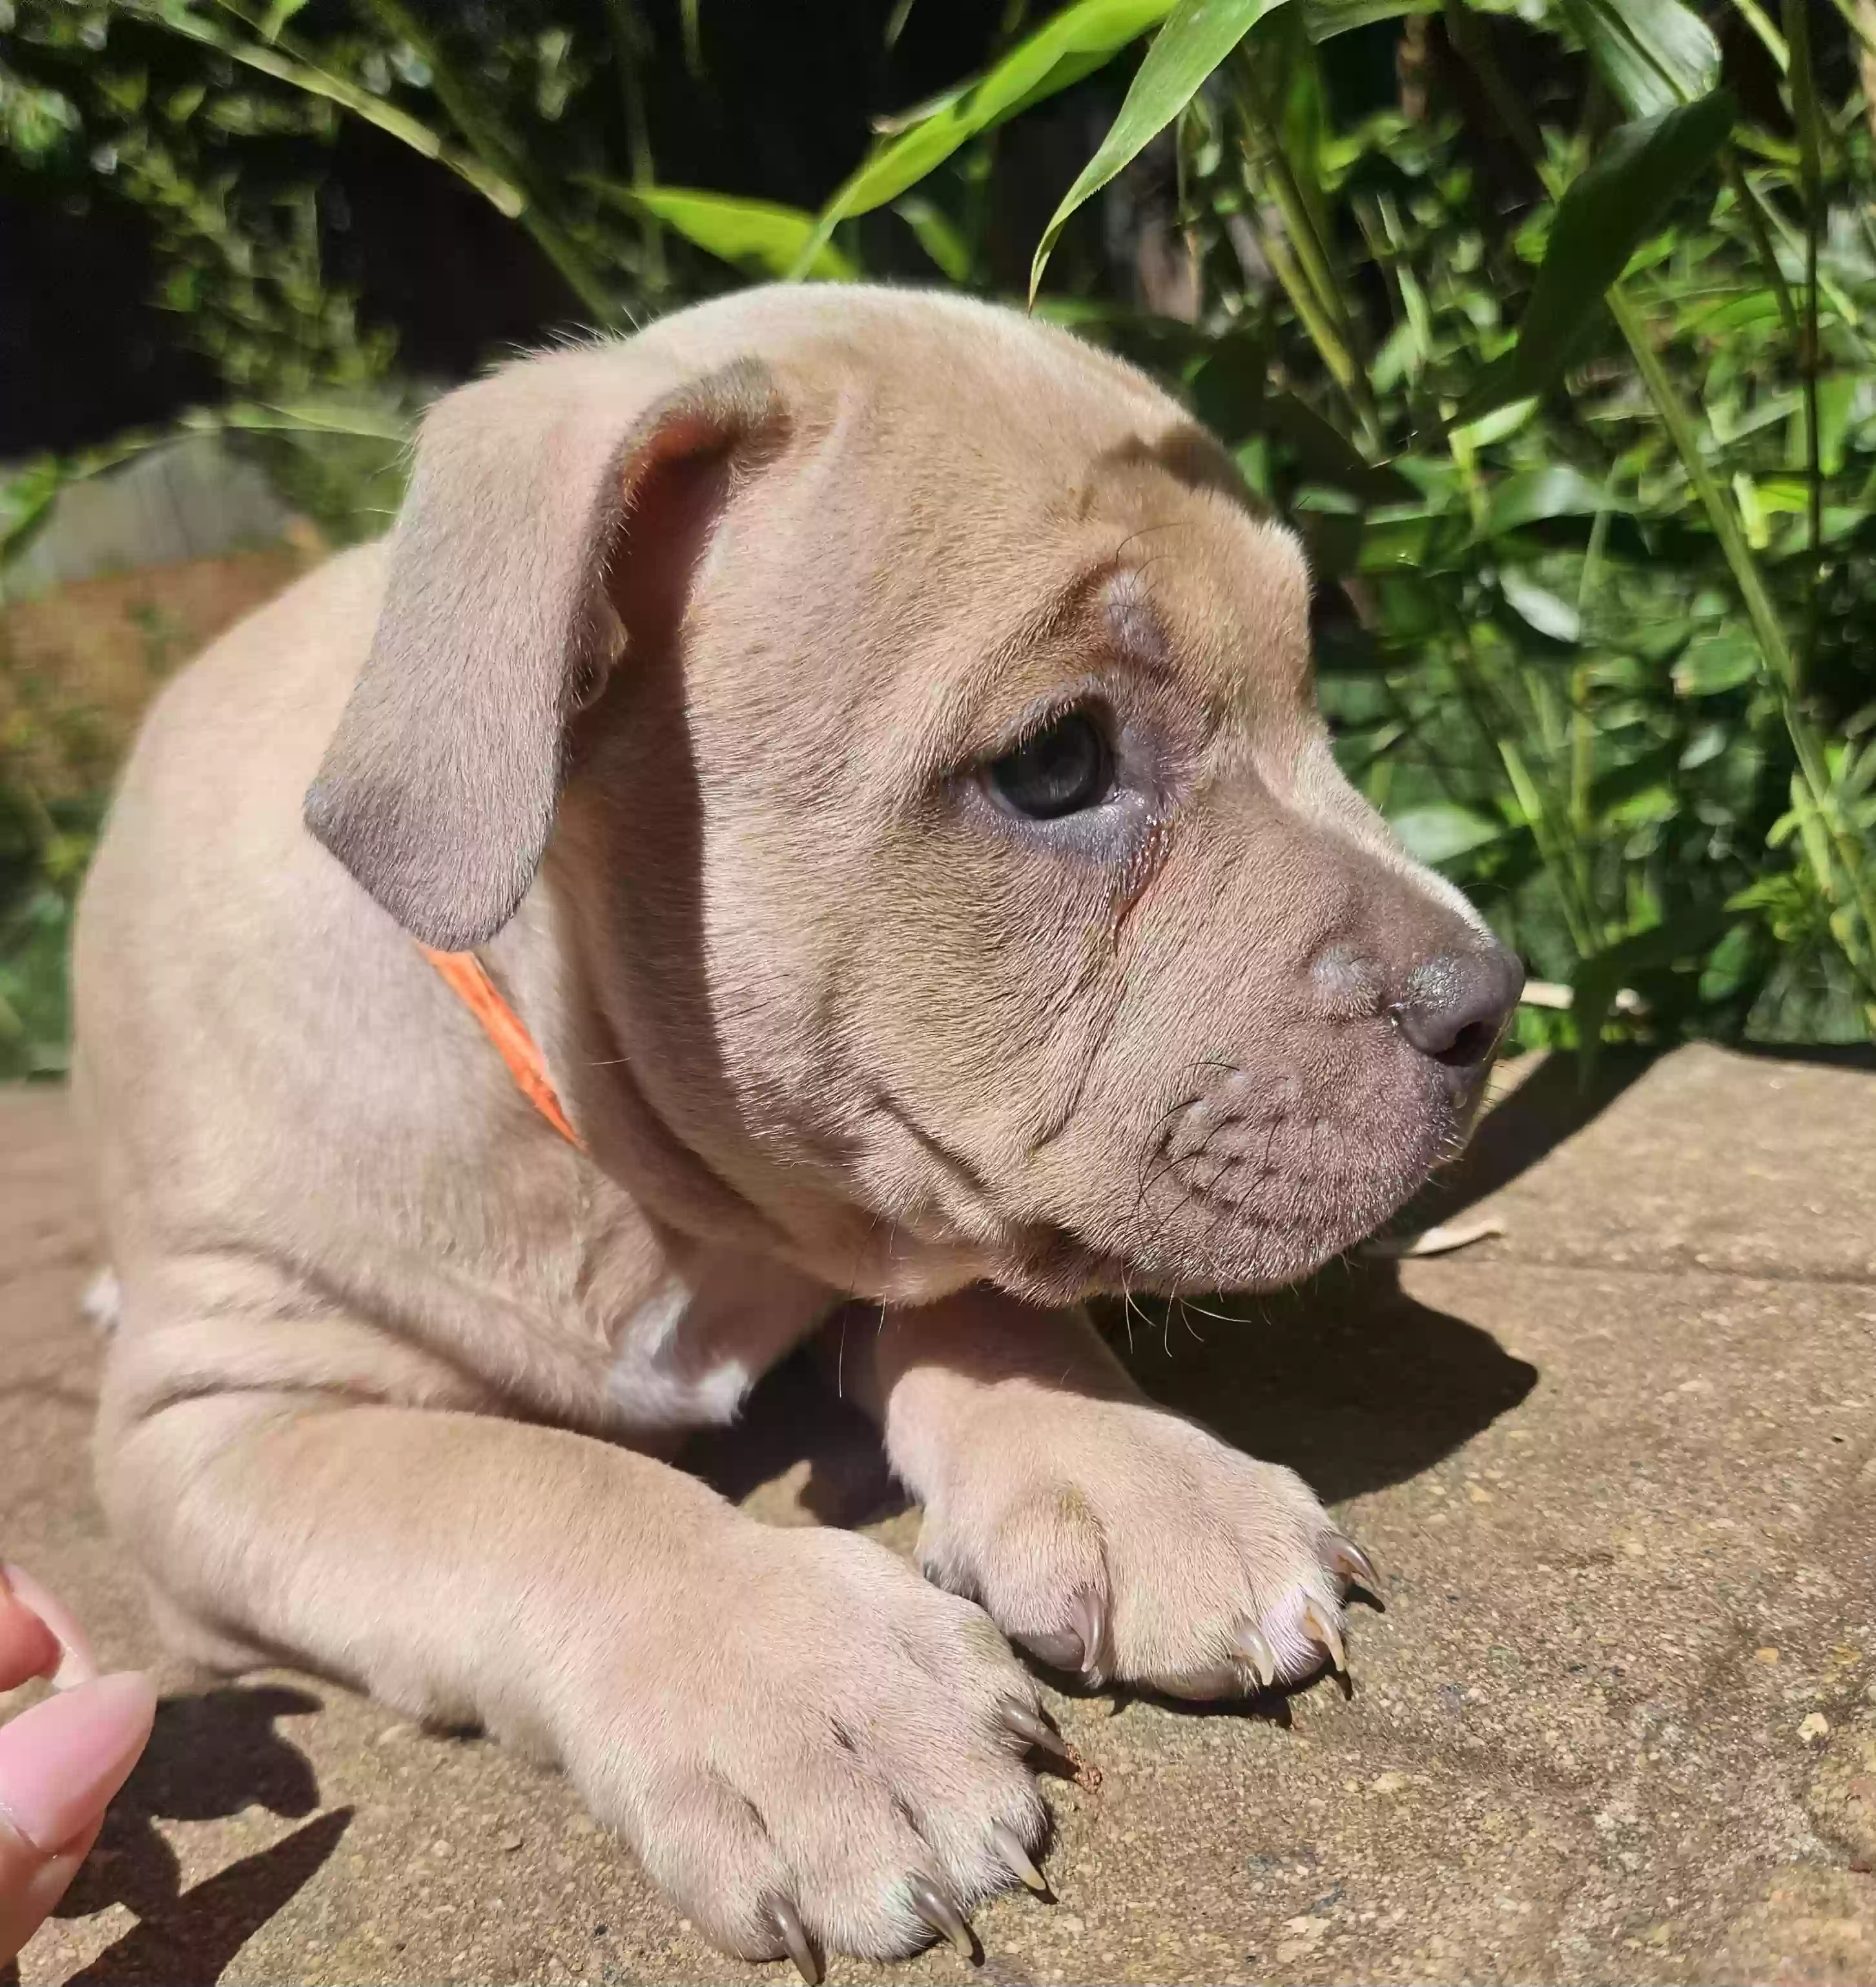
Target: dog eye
{"points": [[1062, 769]]}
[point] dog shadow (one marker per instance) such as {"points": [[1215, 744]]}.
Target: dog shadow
{"points": [[1347, 1378], [210, 1756]]}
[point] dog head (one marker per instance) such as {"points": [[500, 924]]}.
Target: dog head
{"points": [[921, 717]]}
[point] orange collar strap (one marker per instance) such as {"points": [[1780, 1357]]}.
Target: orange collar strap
{"points": [[467, 979]]}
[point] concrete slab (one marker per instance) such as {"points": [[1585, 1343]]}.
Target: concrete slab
{"points": [[1617, 1723], [1710, 1160]]}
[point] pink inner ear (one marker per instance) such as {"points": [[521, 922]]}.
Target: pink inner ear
{"points": [[674, 494]]}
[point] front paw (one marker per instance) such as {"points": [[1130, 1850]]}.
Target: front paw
{"points": [[815, 1748], [1116, 1539]]}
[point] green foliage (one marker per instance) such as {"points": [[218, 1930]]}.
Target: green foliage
{"points": [[1556, 349], [342, 463], [1609, 569], [89, 97], [1071, 45], [761, 235], [1196, 37], [46, 838]]}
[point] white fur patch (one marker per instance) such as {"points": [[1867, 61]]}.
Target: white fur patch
{"points": [[102, 1302], [691, 1351], [665, 1375]]}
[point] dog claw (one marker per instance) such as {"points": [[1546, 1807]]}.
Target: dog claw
{"points": [[1353, 1563], [787, 1923], [1031, 1729], [1258, 1653], [1317, 1626], [1003, 1840], [940, 1914], [1081, 1645]]}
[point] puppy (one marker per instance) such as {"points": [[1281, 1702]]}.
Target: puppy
{"points": [[866, 741]]}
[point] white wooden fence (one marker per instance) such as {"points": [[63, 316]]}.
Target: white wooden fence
{"points": [[189, 498]]}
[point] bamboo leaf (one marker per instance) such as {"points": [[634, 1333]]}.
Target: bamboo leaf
{"points": [[1607, 212], [1323, 20], [759, 232], [1536, 495], [1682, 944], [499, 191], [1197, 37], [1073, 44], [1726, 659], [1442, 830], [937, 236], [1540, 609], [27, 495], [1653, 54]]}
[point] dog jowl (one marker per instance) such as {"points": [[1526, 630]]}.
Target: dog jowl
{"points": [[866, 743]]}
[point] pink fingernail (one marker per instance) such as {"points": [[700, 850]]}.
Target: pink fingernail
{"points": [[63, 1759]]}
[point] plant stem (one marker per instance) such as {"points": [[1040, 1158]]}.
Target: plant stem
{"points": [[1464, 32], [1258, 122], [627, 32], [1746, 196], [310, 78], [479, 128], [1322, 334], [1804, 111], [1724, 518], [1781, 665], [1582, 729], [1754, 16]]}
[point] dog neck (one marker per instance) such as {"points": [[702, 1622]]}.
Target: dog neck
{"points": [[467, 978]]}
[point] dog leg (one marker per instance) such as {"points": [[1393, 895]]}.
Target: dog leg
{"points": [[1106, 1534], [789, 1727]]}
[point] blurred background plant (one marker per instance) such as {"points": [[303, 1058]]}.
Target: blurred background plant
{"points": [[1547, 322]]}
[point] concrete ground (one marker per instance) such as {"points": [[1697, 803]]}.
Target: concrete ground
{"points": [[1617, 1723]]}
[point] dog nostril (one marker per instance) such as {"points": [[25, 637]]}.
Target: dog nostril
{"points": [[1473, 1044], [1456, 1006]]}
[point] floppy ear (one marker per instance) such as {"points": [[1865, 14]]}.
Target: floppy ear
{"points": [[551, 505]]}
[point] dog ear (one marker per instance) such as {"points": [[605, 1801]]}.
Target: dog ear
{"points": [[551, 505]]}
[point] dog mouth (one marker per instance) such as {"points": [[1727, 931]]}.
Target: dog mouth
{"points": [[1236, 1199], [1247, 1182]]}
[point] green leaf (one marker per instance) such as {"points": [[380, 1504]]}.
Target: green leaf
{"points": [[1323, 20], [1496, 426], [937, 236], [1686, 940], [1073, 44], [1653, 54], [1536, 495], [1538, 608], [1607, 212], [1439, 832], [1230, 387], [1232, 392], [27, 495], [363, 422], [1721, 661], [1197, 35], [758, 232], [278, 15], [1837, 394]]}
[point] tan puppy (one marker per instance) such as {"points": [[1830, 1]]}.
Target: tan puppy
{"points": [[870, 740]]}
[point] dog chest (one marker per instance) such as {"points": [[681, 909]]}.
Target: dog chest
{"points": [[689, 1353]]}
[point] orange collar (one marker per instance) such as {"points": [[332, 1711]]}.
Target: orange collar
{"points": [[467, 979]]}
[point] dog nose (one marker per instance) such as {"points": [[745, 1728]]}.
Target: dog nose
{"points": [[1455, 1005]]}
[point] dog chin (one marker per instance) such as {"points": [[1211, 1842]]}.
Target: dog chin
{"points": [[1241, 1249]]}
